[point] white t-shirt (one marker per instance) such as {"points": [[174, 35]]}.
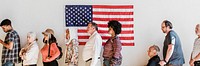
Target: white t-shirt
{"points": [[31, 56], [196, 48]]}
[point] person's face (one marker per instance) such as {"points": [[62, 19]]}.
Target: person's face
{"points": [[45, 37], [90, 29], [151, 52], [197, 30], [111, 31], [29, 39], [5, 28], [163, 27]]}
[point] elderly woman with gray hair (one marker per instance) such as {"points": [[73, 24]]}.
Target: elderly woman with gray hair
{"points": [[29, 54]]}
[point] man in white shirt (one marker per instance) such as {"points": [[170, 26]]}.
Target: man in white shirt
{"points": [[91, 52], [195, 55]]}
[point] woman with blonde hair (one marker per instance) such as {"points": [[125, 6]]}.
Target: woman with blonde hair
{"points": [[29, 54], [72, 53], [50, 50]]}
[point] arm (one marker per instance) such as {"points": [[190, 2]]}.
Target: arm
{"points": [[197, 57], [117, 46], [96, 50], [191, 62], [170, 49], [44, 57], [31, 53], [57, 53], [8, 42], [8, 46]]}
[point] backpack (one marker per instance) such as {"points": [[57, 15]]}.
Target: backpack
{"points": [[61, 54], [60, 50]]}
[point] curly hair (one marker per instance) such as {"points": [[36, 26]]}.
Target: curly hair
{"points": [[115, 25]]}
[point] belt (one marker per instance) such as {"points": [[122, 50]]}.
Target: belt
{"points": [[197, 62], [91, 59]]}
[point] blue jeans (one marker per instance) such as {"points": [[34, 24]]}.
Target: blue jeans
{"points": [[8, 63]]}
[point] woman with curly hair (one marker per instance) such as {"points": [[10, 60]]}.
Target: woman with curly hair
{"points": [[112, 49]]}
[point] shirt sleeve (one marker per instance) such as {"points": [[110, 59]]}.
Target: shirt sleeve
{"points": [[117, 46], [172, 39], [97, 50], [9, 38], [57, 53]]}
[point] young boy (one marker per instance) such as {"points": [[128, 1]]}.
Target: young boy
{"points": [[153, 54]]}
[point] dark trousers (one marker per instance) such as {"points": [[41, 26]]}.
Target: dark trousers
{"points": [[31, 65], [52, 63], [197, 63]]}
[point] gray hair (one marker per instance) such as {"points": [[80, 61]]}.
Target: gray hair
{"points": [[32, 35], [155, 47]]}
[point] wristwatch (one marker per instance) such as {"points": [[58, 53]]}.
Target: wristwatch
{"points": [[165, 61]]}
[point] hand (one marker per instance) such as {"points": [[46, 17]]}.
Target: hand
{"points": [[48, 58], [22, 52], [1, 41], [162, 63], [191, 62], [23, 57]]}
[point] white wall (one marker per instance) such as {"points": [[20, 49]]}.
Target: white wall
{"points": [[37, 15]]}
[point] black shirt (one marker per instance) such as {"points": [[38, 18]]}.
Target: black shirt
{"points": [[154, 61]]}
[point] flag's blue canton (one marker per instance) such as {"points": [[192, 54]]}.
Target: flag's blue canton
{"points": [[78, 15]]}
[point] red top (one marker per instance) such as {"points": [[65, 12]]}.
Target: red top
{"points": [[54, 52]]}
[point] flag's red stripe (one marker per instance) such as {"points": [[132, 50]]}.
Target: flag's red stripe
{"points": [[108, 19], [123, 25], [82, 43], [122, 32], [123, 44], [112, 13], [121, 38], [105, 31], [82, 31], [113, 6], [128, 44], [107, 37], [83, 37]]}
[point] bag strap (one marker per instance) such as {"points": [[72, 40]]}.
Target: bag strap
{"points": [[49, 50]]}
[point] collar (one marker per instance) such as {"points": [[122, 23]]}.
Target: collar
{"points": [[11, 30], [95, 32], [33, 43]]}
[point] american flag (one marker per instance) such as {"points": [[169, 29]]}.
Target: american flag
{"points": [[78, 16]]}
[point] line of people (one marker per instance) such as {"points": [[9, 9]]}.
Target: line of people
{"points": [[12, 52], [172, 50], [112, 49]]}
